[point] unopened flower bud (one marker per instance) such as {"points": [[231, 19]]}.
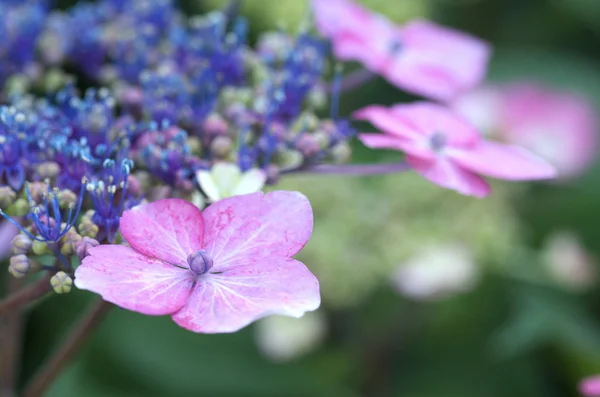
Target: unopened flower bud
{"points": [[66, 198], [134, 186], [83, 246], [308, 145], [200, 262], [61, 282], [48, 169], [273, 174], [322, 139], [7, 196], [19, 208], [195, 145], [317, 97], [215, 124], [19, 266], [88, 228], [68, 241], [341, 152], [21, 244], [221, 146], [37, 190], [289, 159], [40, 248]]}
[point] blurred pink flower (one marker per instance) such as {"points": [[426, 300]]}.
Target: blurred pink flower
{"points": [[7, 231], [213, 271], [558, 126], [446, 149], [421, 57], [590, 387]]}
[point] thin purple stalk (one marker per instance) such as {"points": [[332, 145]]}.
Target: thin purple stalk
{"points": [[353, 169], [352, 80], [26, 295]]}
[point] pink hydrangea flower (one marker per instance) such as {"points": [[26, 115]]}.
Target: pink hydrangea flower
{"points": [[421, 57], [446, 149], [212, 271], [590, 387], [560, 127]]}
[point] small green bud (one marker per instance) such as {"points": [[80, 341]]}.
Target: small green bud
{"points": [[7, 196], [19, 208], [289, 159], [341, 152], [88, 228], [40, 248], [61, 282], [19, 266], [21, 244], [66, 198], [195, 145]]}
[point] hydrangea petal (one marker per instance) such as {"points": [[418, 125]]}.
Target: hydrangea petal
{"points": [[257, 288], [590, 387], [384, 141], [444, 173], [252, 181], [503, 161], [257, 225], [386, 120], [134, 281], [208, 185], [169, 230], [438, 62], [333, 17]]}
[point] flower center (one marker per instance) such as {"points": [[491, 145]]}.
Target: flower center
{"points": [[394, 47], [200, 262], [437, 142]]}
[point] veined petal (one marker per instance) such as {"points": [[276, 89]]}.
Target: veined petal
{"points": [[449, 175], [134, 281], [169, 230], [257, 225], [257, 288], [503, 161], [252, 181]]}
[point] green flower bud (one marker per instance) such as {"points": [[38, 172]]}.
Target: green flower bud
{"points": [[61, 282], [19, 266], [341, 152], [66, 198], [19, 208], [289, 159], [88, 228], [7, 196], [21, 244], [40, 248]]}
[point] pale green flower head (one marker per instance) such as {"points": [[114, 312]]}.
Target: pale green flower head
{"points": [[226, 180]]}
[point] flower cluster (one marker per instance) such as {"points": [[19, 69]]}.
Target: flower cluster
{"points": [[182, 112]]}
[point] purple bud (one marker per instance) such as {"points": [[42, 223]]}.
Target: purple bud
{"points": [[200, 262], [83, 246]]}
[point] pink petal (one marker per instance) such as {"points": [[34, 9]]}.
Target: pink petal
{"points": [[134, 281], [168, 229], [332, 17], [256, 226], [258, 287], [7, 232], [590, 387], [387, 121], [428, 118], [503, 161], [444, 172], [384, 141], [438, 62]]}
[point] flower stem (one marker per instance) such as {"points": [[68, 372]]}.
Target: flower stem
{"points": [[11, 332], [75, 340], [353, 80], [353, 169], [26, 295]]}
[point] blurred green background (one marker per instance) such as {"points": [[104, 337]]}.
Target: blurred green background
{"points": [[514, 334]]}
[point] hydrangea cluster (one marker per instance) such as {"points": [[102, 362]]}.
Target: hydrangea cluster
{"points": [[122, 120], [177, 95]]}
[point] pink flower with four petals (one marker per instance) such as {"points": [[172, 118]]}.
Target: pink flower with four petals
{"points": [[212, 271], [421, 57], [446, 149]]}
